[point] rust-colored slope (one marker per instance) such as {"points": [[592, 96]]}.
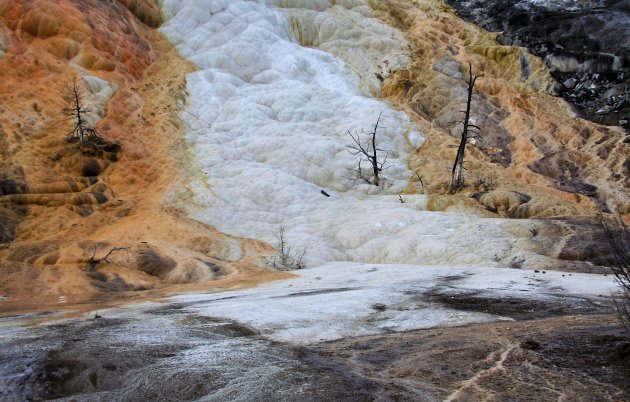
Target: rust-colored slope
{"points": [[62, 204], [532, 142]]}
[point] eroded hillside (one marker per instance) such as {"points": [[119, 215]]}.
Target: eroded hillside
{"points": [[63, 206], [530, 141], [225, 122]]}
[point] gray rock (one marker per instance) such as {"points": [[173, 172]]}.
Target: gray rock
{"points": [[615, 91], [605, 110], [570, 83], [450, 68]]}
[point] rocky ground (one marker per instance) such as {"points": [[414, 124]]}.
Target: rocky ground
{"points": [[584, 43], [168, 352]]}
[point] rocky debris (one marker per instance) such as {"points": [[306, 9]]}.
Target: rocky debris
{"points": [[530, 344], [586, 48], [501, 201], [601, 97]]}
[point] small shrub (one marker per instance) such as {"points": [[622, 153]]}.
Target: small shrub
{"points": [[284, 259], [446, 187], [483, 183]]}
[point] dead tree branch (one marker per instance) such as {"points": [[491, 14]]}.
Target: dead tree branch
{"points": [[93, 261], [619, 238], [76, 111], [456, 174], [368, 152], [420, 181]]}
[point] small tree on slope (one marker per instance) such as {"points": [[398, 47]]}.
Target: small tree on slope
{"points": [[368, 152], [457, 181], [284, 259], [76, 111]]}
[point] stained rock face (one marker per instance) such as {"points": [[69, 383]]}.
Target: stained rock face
{"points": [[94, 35], [147, 11], [584, 43], [64, 206], [536, 139]]}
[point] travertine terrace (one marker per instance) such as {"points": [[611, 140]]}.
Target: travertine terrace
{"points": [[226, 120]]}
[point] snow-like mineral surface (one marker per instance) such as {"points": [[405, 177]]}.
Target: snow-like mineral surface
{"points": [[268, 124], [280, 85], [340, 300]]}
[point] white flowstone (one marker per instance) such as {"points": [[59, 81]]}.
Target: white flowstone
{"points": [[268, 123]]}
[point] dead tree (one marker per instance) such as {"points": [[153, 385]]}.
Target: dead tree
{"points": [[368, 153], [93, 261], [76, 111], [467, 133], [284, 259], [619, 238]]}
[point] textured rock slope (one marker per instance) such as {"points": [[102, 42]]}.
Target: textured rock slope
{"points": [[61, 205], [529, 138], [585, 43]]}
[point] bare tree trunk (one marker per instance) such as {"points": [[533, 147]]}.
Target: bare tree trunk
{"points": [[619, 238], [76, 111], [456, 174], [368, 155], [375, 167], [76, 100]]}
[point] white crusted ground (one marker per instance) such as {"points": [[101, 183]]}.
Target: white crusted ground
{"points": [[268, 121], [339, 300]]}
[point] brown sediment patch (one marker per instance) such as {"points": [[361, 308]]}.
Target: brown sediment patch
{"points": [[574, 240], [554, 358], [11, 214], [518, 308]]}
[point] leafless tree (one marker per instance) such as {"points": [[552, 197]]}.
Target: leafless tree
{"points": [[619, 239], [93, 261], [76, 111], [368, 152], [420, 181], [468, 132], [284, 259]]}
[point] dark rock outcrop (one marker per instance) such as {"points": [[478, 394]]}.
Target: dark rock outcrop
{"points": [[586, 45]]}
